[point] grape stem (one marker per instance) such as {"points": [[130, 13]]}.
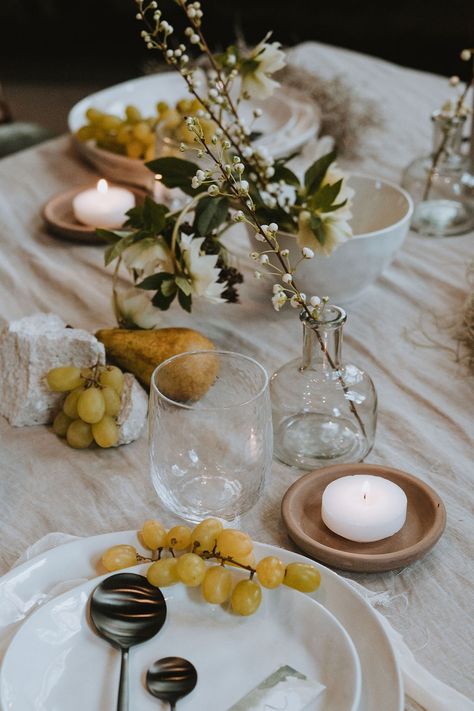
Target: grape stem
{"points": [[205, 555]]}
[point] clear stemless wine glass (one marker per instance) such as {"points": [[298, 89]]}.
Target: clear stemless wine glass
{"points": [[210, 430]]}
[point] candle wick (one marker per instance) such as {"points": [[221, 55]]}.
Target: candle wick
{"points": [[365, 497]]}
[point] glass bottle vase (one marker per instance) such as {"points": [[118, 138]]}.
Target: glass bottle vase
{"points": [[440, 183], [324, 411]]}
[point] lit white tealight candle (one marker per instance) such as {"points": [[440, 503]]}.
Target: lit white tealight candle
{"points": [[364, 508], [103, 206]]}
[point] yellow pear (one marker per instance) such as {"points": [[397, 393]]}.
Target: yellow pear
{"points": [[140, 352]]}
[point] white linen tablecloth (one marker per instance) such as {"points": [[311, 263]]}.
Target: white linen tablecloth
{"points": [[425, 413]]}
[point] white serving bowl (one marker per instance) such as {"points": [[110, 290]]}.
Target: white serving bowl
{"points": [[381, 217], [288, 123]]}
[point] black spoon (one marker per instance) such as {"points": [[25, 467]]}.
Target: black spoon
{"points": [[170, 679], [126, 610]]}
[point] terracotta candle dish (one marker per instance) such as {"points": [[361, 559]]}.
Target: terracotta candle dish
{"points": [[301, 512]]}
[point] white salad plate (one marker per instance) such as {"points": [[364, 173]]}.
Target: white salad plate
{"points": [[35, 582], [288, 122], [71, 667]]}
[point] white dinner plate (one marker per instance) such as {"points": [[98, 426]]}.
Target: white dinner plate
{"points": [[288, 122], [33, 582], [71, 667]]}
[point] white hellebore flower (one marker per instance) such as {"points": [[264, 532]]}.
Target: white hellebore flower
{"points": [[264, 60], [202, 269], [135, 307], [336, 230], [147, 256]]}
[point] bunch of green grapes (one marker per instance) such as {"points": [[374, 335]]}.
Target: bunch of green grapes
{"points": [[133, 136], [197, 547], [90, 410]]}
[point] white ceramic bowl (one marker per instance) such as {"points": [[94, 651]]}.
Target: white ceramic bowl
{"points": [[381, 218]]}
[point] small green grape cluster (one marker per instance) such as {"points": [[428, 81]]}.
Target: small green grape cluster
{"points": [[209, 541], [134, 136], [89, 412]]}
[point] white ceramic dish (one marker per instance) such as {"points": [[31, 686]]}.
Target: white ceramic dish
{"points": [[30, 584], [231, 654], [381, 218], [289, 121]]}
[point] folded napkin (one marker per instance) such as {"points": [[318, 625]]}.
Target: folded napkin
{"points": [[420, 686]]}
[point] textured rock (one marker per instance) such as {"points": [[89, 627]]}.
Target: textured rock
{"points": [[132, 417], [29, 348]]}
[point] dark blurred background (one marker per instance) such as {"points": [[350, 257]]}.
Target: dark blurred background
{"points": [[53, 52]]}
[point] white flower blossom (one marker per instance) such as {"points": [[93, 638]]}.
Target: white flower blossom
{"points": [[264, 259], [202, 269], [295, 302], [315, 301], [276, 288], [279, 300], [287, 278], [335, 227], [307, 253], [135, 308], [264, 60], [147, 256]]}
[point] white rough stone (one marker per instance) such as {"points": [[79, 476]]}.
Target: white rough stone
{"points": [[132, 417], [29, 348]]}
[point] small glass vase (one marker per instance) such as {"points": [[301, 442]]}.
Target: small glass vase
{"points": [[440, 183], [324, 412]]}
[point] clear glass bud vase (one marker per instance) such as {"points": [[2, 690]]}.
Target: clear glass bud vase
{"points": [[440, 183], [324, 411]]}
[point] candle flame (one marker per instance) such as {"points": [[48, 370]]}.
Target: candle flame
{"points": [[102, 186], [158, 176], [365, 489]]}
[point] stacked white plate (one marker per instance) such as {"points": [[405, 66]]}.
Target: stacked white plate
{"points": [[288, 121], [55, 662]]}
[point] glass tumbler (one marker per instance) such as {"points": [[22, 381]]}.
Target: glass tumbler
{"points": [[210, 430]]}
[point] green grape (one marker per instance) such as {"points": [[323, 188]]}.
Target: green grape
{"points": [[105, 432], [134, 149], [70, 403], [246, 597], [153, 535], [163, 572], [270, 572], [205, 534], [178, 537], [302, 576], [64, 378], [110, 122], [112, 401], [61, 424], [234, 543], [79, 435], [91, 405], [93, 115], [162, 107], [141, 131], [119, 557], [217, 585], [133, 114], [85, 133], [124, 134], [150, 153], [112, 377], [191, 569]]}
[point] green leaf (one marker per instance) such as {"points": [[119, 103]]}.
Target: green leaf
{"points": [[285, 174], [317, 228], [108, 236], [154, 215], [316, 172], [115, 250], [286, 159], [163, 302], [176, 173], [211, 212], [135, 216], [185, 301], [155, 281], [184, 285], [324, 198], [336, 206]]}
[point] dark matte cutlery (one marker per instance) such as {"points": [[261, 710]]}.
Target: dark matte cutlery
{"points": [[126, 610], [170, 679]]}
